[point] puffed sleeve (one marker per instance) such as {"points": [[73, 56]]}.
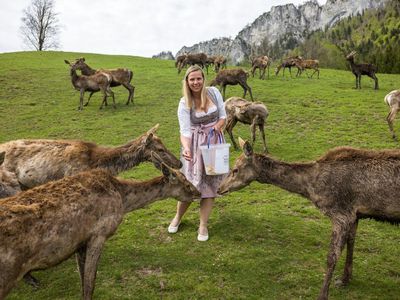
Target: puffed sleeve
{"points": [[220, 103], [184, 119]]}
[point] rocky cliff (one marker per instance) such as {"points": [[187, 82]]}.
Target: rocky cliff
{"points": [[286, 25]]}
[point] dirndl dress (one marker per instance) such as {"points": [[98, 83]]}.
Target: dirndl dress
{"points": [[194, 170]]}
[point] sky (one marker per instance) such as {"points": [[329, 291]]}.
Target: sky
{"points": [[137, 27]]}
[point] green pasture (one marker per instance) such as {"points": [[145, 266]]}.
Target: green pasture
{"points": [[265, 243]]}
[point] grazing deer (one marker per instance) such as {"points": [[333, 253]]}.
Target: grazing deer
{"points": [[93, 83], [362, 69], [232, 77], [303, 64], [120, 76], [44, 226], [252, 113], [9, 184], [393, 100], [346, 184], [36, 162], [219, 63], [261, 63], [287, 63], [193, 59]]}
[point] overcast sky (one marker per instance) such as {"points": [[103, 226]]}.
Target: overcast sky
{"points": [[137, 27]]}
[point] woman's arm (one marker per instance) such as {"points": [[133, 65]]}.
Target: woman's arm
{"points": [[186, 142]]}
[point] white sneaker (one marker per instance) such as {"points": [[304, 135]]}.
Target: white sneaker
{"points": [[202, 237], [173, 229]]}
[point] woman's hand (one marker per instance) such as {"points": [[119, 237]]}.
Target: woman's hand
{"points": [[187, 154]]}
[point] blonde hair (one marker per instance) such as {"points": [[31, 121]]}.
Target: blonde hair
{"points": [[187, 92]]}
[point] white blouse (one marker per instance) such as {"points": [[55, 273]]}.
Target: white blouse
{"points": [[184, 113]]}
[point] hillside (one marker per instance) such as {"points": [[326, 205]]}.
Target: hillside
{"points": [[374, 34], [265, 243]]}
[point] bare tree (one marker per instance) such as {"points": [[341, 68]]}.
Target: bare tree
{"points": [[40, 26]]}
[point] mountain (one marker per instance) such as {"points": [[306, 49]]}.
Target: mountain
{"points": [[283, 27]]}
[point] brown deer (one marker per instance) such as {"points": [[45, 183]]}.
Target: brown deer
{"points": [[261, 63], [9, 184], [179, 60], [120, 76], [93, 83], [44, 226], [287, 63], [252, 113], [362, 69], [393, 100], [219, 63], [193, 59], [303, 64], [232, 77], [36, 162], [346, 184]]}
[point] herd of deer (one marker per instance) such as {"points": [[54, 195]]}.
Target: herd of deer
{"points": [[61, 197]]}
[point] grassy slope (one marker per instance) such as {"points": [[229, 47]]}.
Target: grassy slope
{"points": [[265, 242]]}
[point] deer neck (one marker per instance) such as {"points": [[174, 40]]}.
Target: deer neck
{"points": [[293, 177], [119, 159], [74, 77], [86, 70], [137, 195]]}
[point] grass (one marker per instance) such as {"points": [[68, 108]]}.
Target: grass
{"points": [[265, 243]]}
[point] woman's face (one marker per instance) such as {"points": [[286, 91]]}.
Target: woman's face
{"points": [[195, 81]]}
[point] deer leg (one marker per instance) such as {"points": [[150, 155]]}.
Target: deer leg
{"points": [[339, 234], [262, 133], [262, 75], [246, 87], [390, 119], [131, 89], [223, 90], [348, 268], [231, 122], [81, 99], [104, 98], [110, 92], [32, 281], [90, 96], [93, 251], [376, 81], [253, 131]]}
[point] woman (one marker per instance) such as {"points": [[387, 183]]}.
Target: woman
{"points": [[201, 112]]}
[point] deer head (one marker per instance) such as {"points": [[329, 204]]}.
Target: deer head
{"points": [[179, 187], [152, 143], [243, 172], [351, 55]]}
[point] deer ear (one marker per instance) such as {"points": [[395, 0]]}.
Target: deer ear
{"points": [[2, 155], [82, 59], [247, 149], [67, 62]]}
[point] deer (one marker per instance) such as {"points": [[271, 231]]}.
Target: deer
{"points": [[9, 184], [193, 59], [346, 184], [261, 63], [179, 60], [287, 63], [232, 77], [120, 76], [93, 83], [44, 226], [219, 63], [393, 101], [362, 69], [252, 113], [36, 162], [303, 64]]}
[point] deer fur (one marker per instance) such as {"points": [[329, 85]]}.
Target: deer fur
{"points": [[35, 162], [193, 59], [393, 101], [287, 63], [9, 184], [219, 63], [362, 69], [303, 64], [232, 77], [120, 76], [44, 226], [261, 63], [346, 184], [93, 83], [252, 113]]}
